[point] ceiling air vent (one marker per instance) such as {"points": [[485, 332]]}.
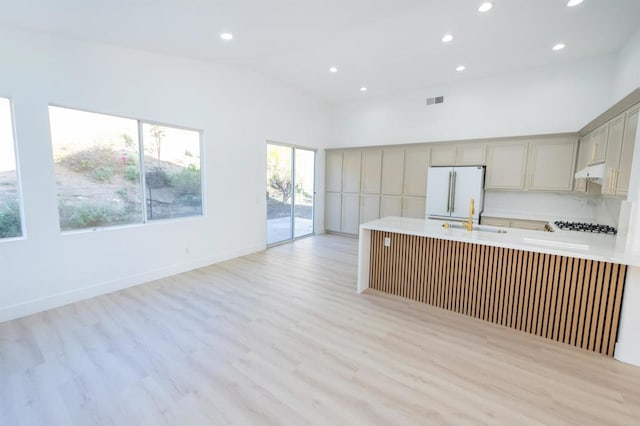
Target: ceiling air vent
{"points": [[436, 100]]}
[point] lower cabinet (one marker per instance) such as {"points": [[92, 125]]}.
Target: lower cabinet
{"points": [[533, 225], [414, 207], [391, 205], [369, 208], [333, 212], [350, 213]]}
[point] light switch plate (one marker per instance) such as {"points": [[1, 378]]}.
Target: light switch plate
{"points": [[387, 241]]}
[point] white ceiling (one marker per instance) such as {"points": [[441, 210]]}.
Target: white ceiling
{"points": [[390, 46]]}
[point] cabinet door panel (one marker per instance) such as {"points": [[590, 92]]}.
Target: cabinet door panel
{"points": [[472, 154], [584, 158], [495, 221], [351, 171], [371, 171], [614, 148], [413, 207], [333, 178], [333, 212], [392, 171], [350, 213], [506, 165], [599, 144], [370, 208], [415, 171], [552, 165], [391, 205], [626, 158], [443, 155]]}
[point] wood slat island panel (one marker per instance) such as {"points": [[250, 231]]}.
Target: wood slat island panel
{"points": [[570, 300]]}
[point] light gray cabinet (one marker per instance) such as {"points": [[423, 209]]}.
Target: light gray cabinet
{"points": [[392, 171], [350, 213], [414, 207], [416, 164], [443, 155], [471, 154], [369, 208], [351, 171], [333, 175], [553, 165], [391, 205], [584, 158], [371, 171], [626, 157], [333, 212], [614, 149], [506, 165], [599, 144]]}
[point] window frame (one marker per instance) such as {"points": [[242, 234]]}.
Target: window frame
{"points": [[139, 123], [16, 159]]}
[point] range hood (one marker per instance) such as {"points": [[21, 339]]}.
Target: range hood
{"points": [[594, 173]]}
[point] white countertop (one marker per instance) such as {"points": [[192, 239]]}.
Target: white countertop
{"points": [[608, 248]]}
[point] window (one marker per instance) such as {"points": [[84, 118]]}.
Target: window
{"points": [[98, 165], [172, 170], [10, 216]]}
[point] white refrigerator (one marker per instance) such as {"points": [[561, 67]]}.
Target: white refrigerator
{"points": [[450, 190]]}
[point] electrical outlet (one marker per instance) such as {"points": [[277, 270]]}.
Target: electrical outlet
{"points": [[387, 241]]}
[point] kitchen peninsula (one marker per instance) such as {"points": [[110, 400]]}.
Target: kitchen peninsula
{"points": [[562, 286]]}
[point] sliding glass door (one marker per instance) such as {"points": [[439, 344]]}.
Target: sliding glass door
{"points": [[290, 192]]}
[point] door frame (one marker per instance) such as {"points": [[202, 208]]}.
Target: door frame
{"points": [[295, 147]]}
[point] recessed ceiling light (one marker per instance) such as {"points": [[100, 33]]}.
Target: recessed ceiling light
{"points": [[485, 7], [363, 89], [558, 46], [226, 36], [447, 38], [333, 69], [460, 68], [572, 3]]}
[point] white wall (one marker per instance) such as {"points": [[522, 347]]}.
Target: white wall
{"points": [[237, 110], [541, 205], [553, 99], [627, 75]]}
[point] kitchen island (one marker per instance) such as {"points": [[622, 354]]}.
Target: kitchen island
{"points": [[564, 286]]}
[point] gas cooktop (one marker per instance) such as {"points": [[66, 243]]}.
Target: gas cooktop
{"points": [[586, 227]]}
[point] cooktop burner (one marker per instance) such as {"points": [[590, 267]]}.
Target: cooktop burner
{"points": [[586, 227]]}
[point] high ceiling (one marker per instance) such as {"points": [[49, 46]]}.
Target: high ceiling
{"points": [[389, 46]]}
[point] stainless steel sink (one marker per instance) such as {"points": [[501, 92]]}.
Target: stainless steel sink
{"points": [[481, 228]]}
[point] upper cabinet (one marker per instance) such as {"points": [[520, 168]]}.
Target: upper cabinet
{"points": [[443, 155], [470, 154], [599, 144], [333, 175], [552, 165], [626, 157], [351, 171], [617, 139], [584, 158], [416, 163], [371, 171], [392, 171], [612, 159], [506, 165]]}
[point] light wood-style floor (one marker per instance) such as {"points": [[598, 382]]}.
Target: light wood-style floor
{"points": [[281, 337]]}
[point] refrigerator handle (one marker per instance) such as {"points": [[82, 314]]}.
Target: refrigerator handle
{"points": [[453, 193], [449, 194]]}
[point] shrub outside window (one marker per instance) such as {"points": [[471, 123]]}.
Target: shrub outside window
{"points": [[10, 215], [98, 167], [172, 171]]}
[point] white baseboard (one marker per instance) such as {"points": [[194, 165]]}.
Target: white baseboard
{"points": [[34, 306], [627, 353]]}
